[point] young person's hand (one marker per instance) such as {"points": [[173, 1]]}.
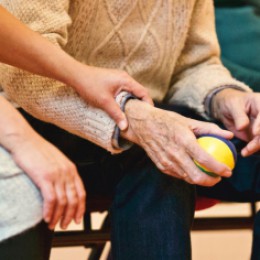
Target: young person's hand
{"points": [[99, 87], [56, 176], [50, 170], [36, 54]]}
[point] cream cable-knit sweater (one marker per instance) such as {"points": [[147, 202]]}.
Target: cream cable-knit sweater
{"points": [[169, 46]]}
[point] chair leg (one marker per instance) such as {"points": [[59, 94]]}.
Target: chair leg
{"points": [[98, 249], [96, 252]]}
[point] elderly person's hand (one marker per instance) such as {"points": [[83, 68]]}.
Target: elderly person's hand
{"points": [[240, 113], [56, 176], [169, 139]]}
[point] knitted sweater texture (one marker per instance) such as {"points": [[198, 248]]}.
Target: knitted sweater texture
{"points": [[169, 46]]}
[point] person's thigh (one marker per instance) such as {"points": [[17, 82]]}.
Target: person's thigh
{"points": [[152, 215], [33, 244]]}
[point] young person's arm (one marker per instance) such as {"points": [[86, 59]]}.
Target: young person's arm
{"points": [[55, 175], [26, 49]]}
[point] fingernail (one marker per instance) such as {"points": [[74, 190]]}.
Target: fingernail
{"points": [[228, 173], [122, 125], [184, 175], [78, 220], [51, 227], [64, 226], [243, 152]]}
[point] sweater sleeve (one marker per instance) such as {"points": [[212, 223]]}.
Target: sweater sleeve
{"points": [[199, 69], [47, 99]]}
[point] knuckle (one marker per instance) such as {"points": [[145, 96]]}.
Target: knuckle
{"points": [[164, 162], [65, 168], [124, 74], [54, 172], [104, 99], [73, 167], [196, 179], [187, 141], [124, 78], [83, 196], [51, 199], [212, 125], [169, 167], [48, 175], [201, 159], [159, 166], [62, 201], [73, 201]]}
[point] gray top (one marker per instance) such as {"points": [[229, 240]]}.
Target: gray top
{"points": [[20, 199]]}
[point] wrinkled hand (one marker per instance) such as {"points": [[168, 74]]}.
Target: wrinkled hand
{"points": [[99, 87], [56, 176], [169, 139], [240, 113]]}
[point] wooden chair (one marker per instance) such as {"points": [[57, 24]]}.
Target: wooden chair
{"points": [[96, 239]]}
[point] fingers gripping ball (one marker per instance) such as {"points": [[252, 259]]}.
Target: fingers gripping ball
{"points": [[220, 148]]}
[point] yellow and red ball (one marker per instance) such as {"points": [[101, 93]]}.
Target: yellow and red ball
{"points": [[220, 148]]}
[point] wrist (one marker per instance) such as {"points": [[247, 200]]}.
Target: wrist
{"points": [[222, 97], [18, 138], [135, 118], [122, 143], [210, 100], [75, 74]]}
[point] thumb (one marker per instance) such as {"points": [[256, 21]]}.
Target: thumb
{"points": [[114, 111], [240, 118]]}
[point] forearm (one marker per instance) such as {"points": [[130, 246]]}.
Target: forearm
{"points": [[45, 98], [56, 103], [33, 52], [199, 69]]}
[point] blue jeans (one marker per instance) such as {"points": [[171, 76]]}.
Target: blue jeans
{"points": [[151, 216]]}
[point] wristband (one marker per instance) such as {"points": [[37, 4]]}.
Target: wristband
{"points": [[117, 142]]}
